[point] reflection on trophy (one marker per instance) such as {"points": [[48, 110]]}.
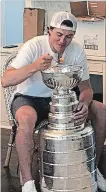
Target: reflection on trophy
{"points": [[67, 150]]}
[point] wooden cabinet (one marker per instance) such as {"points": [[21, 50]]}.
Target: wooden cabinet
{"points": [[4, 54], [98, 67]]}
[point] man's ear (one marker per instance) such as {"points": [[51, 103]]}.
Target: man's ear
{"points": [[49, 31], [74, 32]]}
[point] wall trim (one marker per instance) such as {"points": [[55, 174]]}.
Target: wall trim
{"points": [[5, 126]]}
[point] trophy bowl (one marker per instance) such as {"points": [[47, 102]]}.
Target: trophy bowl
{"points": [[62, 76]]}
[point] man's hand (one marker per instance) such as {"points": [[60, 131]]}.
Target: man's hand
{"points": [[43, 62], [81, 113]]}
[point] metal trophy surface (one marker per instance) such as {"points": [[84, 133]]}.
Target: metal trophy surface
{"points": [[67, 151]]}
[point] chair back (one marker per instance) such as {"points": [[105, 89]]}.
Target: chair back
{"points": [[7, 92]]}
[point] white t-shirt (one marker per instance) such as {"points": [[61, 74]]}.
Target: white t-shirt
{"points": [[33, 49]]}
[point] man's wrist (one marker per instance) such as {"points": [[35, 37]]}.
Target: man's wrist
{"points": [[85, 102]]}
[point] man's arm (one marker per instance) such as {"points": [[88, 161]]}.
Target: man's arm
{"points": [[85, 98], [86, 92], [14, 76]]}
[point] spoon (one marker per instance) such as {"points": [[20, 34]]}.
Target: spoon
{"points": [[59, 61]]}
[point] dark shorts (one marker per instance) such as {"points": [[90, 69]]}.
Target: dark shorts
{"points": [[40, 104]]}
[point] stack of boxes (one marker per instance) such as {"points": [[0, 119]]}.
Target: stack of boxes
{"points": [[91, 34], [91, 30], [33, 23]]}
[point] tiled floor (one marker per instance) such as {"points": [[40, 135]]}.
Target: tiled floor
{"points": [[10, 178]]}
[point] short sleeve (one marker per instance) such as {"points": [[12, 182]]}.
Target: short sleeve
{"points": [[82, 60], [25, 56]]}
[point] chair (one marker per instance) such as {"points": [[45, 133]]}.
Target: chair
{"points": [[7, 97]]}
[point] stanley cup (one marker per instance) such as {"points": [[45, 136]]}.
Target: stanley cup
{"points": [[67, 150]]}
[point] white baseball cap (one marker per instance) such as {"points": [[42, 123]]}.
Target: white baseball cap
{"points": [[61, 16]]}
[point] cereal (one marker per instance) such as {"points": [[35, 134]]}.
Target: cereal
{"points": [[61, 60]]}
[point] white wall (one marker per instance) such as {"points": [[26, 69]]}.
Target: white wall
{"points": [[50, 7]]}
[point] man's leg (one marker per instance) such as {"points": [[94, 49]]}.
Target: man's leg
{"points": [[26, 117], [28, 112], [97, 113]]}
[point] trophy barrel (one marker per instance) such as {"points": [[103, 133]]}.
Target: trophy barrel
{"points": [[67, 160]]}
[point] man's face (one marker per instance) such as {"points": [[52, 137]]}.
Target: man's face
{"points": [[59, 39]]}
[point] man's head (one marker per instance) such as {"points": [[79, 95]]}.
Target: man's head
{"points": [[62, 29]]}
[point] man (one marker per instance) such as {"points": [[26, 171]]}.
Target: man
{"points": [[32, 97]]}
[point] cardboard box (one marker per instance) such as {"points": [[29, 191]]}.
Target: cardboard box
{"points": [[79, 9], [33, 23], [91, 34], [92, 8], [97, 8]]}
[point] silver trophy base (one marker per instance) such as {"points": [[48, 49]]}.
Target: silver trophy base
{"points": [[67, 160]]}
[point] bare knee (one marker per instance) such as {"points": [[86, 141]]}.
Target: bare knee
{"points": [[26, 117]]}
